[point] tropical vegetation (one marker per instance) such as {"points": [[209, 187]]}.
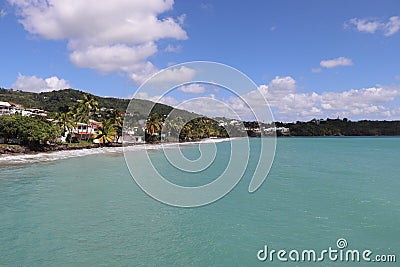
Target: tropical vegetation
{"points": [[342, 127], [106, 133], [28, 131], [84, 111], [163, 128]]}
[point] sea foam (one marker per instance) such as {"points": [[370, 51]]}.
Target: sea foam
{"points": [[59, 155]]}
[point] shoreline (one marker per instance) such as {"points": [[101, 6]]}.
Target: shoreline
{"points": [[14, 159], [9, 150]]}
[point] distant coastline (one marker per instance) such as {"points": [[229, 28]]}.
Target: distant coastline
{"points": [[73, 120]]}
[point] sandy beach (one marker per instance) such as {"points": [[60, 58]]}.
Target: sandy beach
{"points": [[17, 159]]}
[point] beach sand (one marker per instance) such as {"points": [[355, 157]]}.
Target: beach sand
{"points": [[17, 159]]}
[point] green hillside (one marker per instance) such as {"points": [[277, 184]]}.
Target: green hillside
{"points": [[61, 100]]}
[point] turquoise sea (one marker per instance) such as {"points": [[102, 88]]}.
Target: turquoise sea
{"points": [[88, 211]]}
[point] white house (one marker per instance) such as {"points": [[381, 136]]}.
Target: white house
{"points": [[83, 130], [9, 108], [276, 129], [34, 111], [130, 139], [234, 122], [5, 108]]}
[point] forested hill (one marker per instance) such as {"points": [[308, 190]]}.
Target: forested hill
{"points": [[61, 100], [58, 100], [342, 127]]}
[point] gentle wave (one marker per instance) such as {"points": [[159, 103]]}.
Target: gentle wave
{"points": [[64, 154]]}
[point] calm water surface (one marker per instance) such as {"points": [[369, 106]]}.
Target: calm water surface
{"points": [[88, 211]]}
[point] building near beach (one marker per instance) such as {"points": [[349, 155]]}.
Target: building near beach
{"points": [[34, 112], [85, 130], [10, 108], [5, 108]]}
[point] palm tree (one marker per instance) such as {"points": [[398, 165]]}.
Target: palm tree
{"points": [[90, 104], [176, 126], [200, 128], [85, 109], [154, 124], [65, 120], [74, 112], [106, 132], [116, 120], [187, 132], [81, 115]]}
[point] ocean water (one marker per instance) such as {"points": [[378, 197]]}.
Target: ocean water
{"points": [[88, 211]]}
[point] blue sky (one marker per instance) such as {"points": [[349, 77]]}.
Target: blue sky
{"points": [[309, 58]]}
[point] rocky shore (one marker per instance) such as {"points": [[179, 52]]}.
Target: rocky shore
{"points": [[13, 149]]}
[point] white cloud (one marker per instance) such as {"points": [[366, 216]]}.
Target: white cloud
{"points": [[340, 61], [167, 100], [362, 98], [206, 105], [282, 85], [142, 71], [181, 19], [174, 75], [392, 26], [116, 35], [288, 104], [173, 49], [278, 89], [111, 58], [316, 70], [193, 88], [211, 106], [364, 25], [3, 13], [388, 28], [37, 85]]}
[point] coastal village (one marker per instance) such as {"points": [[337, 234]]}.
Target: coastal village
{"points": [[9, 108], [75, 127], [81, 130], [84, 123], [87, 123]]}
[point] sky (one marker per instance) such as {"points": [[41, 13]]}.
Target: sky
{"points": [[308, 59]]}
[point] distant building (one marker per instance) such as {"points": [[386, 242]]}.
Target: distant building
{"points": [[130, 139], [5, 108], [282, 129], [276, 129], [221, 123], [86, 131], [234, 122], [34, 112], [10, 108]]}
